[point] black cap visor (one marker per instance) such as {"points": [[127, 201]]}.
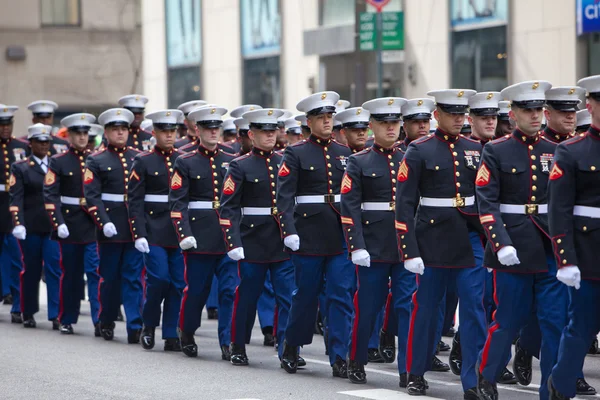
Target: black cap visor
{"points": [[117, 123], [43, 115], [484, 112], [386, 117], [322, 110], [417, 117], [294, 131], [564, 106], [6, 121], [453, 108], [210, 124], [595, 96], [356, 125], [529, 104], [264, 127], [79, 129], [164, 126], [503, 117], [244, 132], [136, 110]]}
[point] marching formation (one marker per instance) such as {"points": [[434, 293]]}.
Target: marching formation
{"points": [[367, 224]]}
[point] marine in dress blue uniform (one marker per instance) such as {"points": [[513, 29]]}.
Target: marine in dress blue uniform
{"points": [[43, 113], [13, 150], [192, 135], [230, 135], [308, 198], [251, 227], [511, 192], [302, 118], [138, 139], [340, 106], [282, 141], [105, 189], [584, 121], [505, 124], [293, 131], [32, 228], [155, 237], [573, 220], [73, 226], [441, 169], [195, 188]]}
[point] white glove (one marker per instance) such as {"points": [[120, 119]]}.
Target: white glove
{"points": [[188, 243], [109, 230], [63, 231], [236, 254], [141, 245], [490, 270], [570, 276], [415, 265], [292, 241], [19, 232], [508, 256], [361, 257]]}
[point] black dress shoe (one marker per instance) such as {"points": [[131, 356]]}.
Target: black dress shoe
{"points": [[268, 340], [133, 337], [403, 380], [97, 330], [594, 347], [438, 365], [289, 358], [212, 313], [507, 378], [455, 358], [8, 299], [107, 330], [339, 369], [451, 332], [238, 355], [485, 389], [374, 356], [387, 346], [66, 329], [147, 338], [55, 324], [225, 353], [416, 385], [584, 389], [16, 318], [301, 362], [188, 344], [443, 346], [471, 394], [356, 372], [553, 393], [522, 365], [120, 316], [29, 321], [172, 344]]}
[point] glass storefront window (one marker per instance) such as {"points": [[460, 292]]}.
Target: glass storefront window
{"points": [[184, 85], [593, 54], [261, 82]]}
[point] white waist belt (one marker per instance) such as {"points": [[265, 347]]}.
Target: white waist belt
{"points": [[203, 205], [2, 188], [113, 197], [585, 211], [379, 206], [524, 209], [318, 199], [72, 201], [451, 202], [156, 198], [259, 211]]}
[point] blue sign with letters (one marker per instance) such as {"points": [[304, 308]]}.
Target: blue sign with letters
{"points": [[588, 16]]}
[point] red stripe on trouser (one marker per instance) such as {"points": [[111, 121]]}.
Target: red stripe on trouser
{"points": [[356, 318], [413, 316], [275, 320], [61, 301], [386, 316], [143, 281], [493, 328], [185, 291], [21, 278], [235, 305]]}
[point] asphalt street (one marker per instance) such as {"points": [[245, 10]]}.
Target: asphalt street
{"points": [[43, 364]]}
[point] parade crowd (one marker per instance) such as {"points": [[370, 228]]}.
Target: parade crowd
{"points": [[366, 224]]}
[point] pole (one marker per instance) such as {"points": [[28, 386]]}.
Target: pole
{"points": [[379, 53]]}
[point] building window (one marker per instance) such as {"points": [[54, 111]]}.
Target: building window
{"points": [[183, 85], [479, 59], [593, 41], [61, 12], [261, 82]]}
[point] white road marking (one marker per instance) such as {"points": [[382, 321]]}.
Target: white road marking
{"points": [[384, 394]]}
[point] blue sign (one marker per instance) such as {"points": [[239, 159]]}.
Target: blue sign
{"points": [[588, 16]]}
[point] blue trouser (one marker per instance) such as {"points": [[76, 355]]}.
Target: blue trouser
{"points": [[449, 304], [374, 338], [213, 296], [252, 282], [91, 262], [309, 273], [12, 265], [4, 267], [425, 323], [40, 252], [488, 300], [120, 270], [164, 282], [199, 272], [73, 263], [577, 337], [371, 296], [517, 295], [266, 302]]}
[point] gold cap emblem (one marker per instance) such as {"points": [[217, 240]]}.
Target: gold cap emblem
{"points": [[214, 110], [358, 111], [6, 110], [390, 102], [571, 91], [118, 112], [251, 108], [43, 104], [489, 96], [323, 96], [270, 112], [298, 123], [419, 103], [535, 85], [83, 117], [168, 113], [461, 93], [43, 130], [137, 98]]}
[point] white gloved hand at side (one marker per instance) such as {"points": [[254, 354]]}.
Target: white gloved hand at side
{"points": [[415, 265], [292, 242], [570, 276], [20, 232], [361, 257], [63, 231], [109, 230], [508, 256], [141, 245], [188, 243], [236, 254]]}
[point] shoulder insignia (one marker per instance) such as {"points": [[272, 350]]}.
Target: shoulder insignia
{"points": [[50, 178], [400, 226], [224, 222], [556, 172], [501, 140], [175, 214], [176, 181], [487, 219], [403, 172], [88, 176], [346, 184], [284, 170], [228, 186], [347, 221], [483, 175], [134, 175]]}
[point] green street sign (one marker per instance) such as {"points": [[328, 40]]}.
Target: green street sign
{"points": [[393, 31]]}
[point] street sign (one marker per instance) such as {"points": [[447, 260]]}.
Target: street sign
{"points": [[393, 31], [378, 4]]}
